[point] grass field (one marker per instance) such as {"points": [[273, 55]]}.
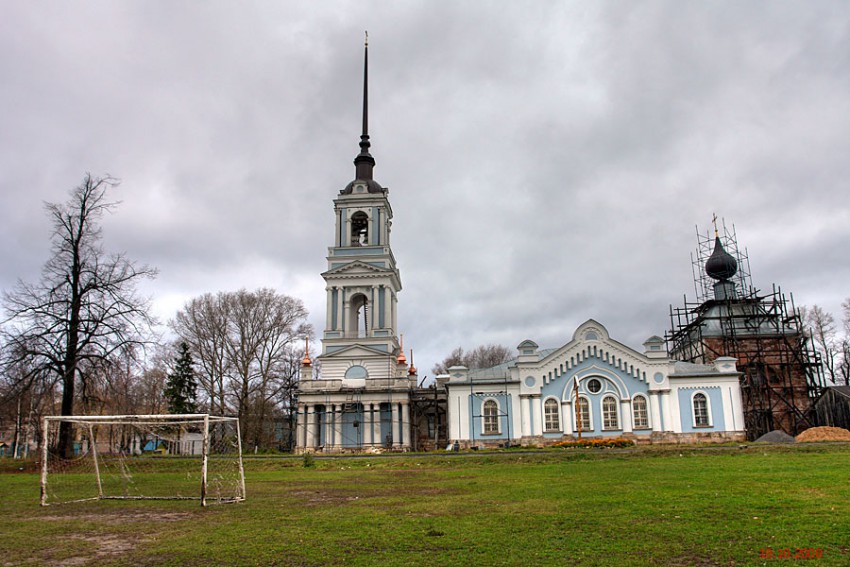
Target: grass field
{"points": [[674, 506]]}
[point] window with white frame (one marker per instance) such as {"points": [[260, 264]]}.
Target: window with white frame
{"points": [[640, 413], [551, 414], [609, 413], [701, 418], [583, 415], [491, 417]]}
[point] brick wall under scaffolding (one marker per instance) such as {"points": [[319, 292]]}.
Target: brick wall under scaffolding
{"points": [[781, 374]]}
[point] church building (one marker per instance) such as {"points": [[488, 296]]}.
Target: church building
{"points": [[366, 397], [594, 387]]}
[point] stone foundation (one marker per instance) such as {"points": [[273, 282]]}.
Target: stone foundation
{"points": [[656, 438]]}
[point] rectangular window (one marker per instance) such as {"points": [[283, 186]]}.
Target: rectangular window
{"points": [[609, 414], [551, 415], [701, 411], [583, 415], [640, 413], [491, 417]]}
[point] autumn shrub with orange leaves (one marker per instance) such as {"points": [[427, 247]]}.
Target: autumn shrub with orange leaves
{"points": [[609, 443]]}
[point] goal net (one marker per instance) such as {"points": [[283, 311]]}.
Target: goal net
{"points": [[137, 457]]}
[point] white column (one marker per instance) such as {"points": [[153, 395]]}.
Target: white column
{"points": [[405, 424], [374, 307], [534, 415], [737, 409], [367, 425], [669, 423], [329, 324], [526, 421], [569, 419], [310, 433], [342, 316], [338, 426], [395, 425], [393, 310], [654, 402], [376, 425], [299, 428], [672, 416], [326, 424], [329, 427], [626, 416]]}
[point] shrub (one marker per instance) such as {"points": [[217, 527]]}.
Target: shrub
{"points": [[609, 443]]}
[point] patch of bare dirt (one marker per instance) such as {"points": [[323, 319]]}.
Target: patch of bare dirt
{"points": [[124, 517], [823, 434], [102, 547], [317, 497]]}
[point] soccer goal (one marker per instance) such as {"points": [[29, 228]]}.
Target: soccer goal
{"points": [[143, 457]]}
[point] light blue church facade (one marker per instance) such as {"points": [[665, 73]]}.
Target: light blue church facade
{"points": [[596, 387]]}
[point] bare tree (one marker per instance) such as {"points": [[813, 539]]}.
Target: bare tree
{"points": [[823, 331], [203, 324], [843, 370], [25, 397], [85, 307], [482, 356], [244, 343]]}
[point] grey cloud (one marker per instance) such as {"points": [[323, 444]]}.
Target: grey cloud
{"points": [[547, 162]]}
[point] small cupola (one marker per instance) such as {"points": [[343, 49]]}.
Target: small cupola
{"points": [[306, 362], [654, 347], [527, 351], [721, 266]]}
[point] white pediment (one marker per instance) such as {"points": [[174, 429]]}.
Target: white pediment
{"points": [[357, 268], [355, 351]]}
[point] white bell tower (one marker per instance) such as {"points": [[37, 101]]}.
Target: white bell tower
{"points": [[361, 398]]}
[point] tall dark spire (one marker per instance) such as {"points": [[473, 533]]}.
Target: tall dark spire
{"points": [[364, 162]]}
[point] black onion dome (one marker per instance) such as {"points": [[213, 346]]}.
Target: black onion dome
{"points": [[720, 265]]}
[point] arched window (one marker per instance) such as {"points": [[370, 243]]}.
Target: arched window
{"points": [[583, 415], [359, 229], [609, 413], [356, 372], [551, 414], [701, 416], [358, 316], [640, 413], [491, 417]]}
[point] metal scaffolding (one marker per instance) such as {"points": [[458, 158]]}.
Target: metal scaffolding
{"points": [[781, 372], [704, 285]]}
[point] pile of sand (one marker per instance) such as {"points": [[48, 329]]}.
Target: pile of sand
{"points": [[775, 436], [823, 434]]}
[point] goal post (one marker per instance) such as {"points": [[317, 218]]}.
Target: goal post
{"points": [[143, 457]]}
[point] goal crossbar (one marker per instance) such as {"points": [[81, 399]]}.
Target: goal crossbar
{"points": [[162, 418], [120, 455]]}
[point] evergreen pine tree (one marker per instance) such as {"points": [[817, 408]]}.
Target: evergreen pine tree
{"points": [[181, 386]]}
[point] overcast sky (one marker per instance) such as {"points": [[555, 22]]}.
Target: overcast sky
{"points": [[547, 161]]}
